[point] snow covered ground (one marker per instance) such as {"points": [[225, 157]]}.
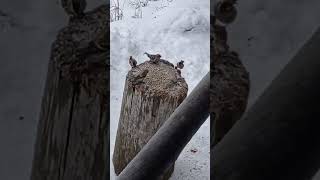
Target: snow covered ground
{"points": [[277, 27], [177, 30]]}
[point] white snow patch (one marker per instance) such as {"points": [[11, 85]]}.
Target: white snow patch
{"points": [[178, 30]]}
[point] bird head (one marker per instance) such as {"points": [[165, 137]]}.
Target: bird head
{"points": [[225, 11], [74, 8], [158, 55]]}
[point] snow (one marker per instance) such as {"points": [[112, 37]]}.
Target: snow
{"points": [[178, 30], [25, 53]]}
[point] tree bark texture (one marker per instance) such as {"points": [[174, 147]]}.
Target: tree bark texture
{"points": [[73, 131], [230, 84], [172, 137], [152, 92]]}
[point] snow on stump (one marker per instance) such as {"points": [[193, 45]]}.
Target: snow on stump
{"points": [[152, 92]]}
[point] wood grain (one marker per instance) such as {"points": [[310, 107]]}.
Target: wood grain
{"points": [[152, 92]]}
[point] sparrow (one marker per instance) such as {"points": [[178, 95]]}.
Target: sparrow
{"points": [[180, 64], [155, 58], [132, 62]]}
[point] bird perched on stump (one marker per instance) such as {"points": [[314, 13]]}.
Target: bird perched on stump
{"points": [[154, 58], [180, 65], [74, 8], [132, 62]]}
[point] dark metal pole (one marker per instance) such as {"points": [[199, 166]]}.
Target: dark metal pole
{"points": [[279, 137], [166, 145]]}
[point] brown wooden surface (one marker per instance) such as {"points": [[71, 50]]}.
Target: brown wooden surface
{"points": [[152, 92], [230, 81], [73, 130]]}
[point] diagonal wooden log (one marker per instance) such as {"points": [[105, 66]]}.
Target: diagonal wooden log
{"points": [[165, 146], [278, 138], [73, 131]]}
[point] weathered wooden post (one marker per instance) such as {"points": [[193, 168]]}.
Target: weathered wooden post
{"points": [[73, 130], [230, 82], [152, 92], [166, 145]]}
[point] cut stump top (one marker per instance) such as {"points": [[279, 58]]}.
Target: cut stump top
{"points": [[157, 80]]}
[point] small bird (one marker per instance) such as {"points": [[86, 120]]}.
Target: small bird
{"points": [[180, 64], [132, 62], [155, 58], [74, 8], [178, 71]]}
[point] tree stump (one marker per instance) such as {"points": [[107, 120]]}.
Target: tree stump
{"points": [[152, 92], [230, 82], [73, 130]]}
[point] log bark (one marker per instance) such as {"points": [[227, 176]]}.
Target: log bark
{"points": [[169, 141], [73, 131], [230, 82], [152, 92], [278, 138]]}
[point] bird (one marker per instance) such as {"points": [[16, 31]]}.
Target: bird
{"points": [[132, 62], [154, 58], [180, 64], [74, 8], [225, 11], [220, 38]]}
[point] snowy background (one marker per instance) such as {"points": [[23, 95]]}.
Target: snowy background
{"points": [[177, 30]]}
